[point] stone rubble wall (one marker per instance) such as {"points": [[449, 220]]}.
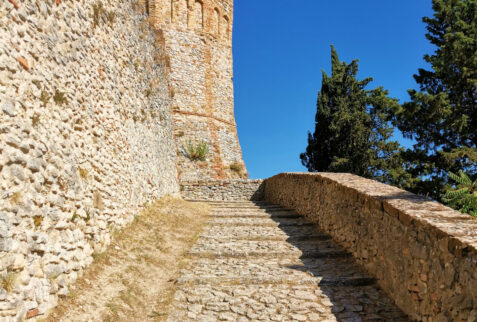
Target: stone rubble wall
{"points": [[86, 139], [423, 254], [223, 190], [198, 43]]}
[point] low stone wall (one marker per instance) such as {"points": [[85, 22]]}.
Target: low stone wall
{"points": [[228, 190], [423, 254]]}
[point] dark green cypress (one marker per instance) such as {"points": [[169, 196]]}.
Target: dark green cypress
{"points": [[351, 131]]}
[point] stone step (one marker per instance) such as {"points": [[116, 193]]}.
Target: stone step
{"points": [[283, 302], [254, 210], [284, 238], [207, 247], [267, 280], [247, 209], [262, 232], [236, 203], [284, 214], [269, 254], [256, 261], [243, 207], [251, 221], [269, 271]]}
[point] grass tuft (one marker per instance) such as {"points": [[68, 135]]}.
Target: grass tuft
{"points": [[197, 152], [7, 282], [236, 167]]}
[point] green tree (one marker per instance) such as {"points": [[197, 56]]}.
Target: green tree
{"points": [[442, 115], [351, 131], [464, 196]]}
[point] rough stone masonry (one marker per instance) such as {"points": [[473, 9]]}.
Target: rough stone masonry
{"points": [[98, 102], [423, 254], [86, 139], [197, 39]]}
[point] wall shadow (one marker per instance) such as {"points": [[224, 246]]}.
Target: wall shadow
{"points": [[352, 293]]}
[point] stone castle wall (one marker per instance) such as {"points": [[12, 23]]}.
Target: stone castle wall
{"points": [[423, 254], [198, 43], [86, 139]]}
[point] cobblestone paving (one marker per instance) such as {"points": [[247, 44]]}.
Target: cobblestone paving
{"points": [[259, 262]]}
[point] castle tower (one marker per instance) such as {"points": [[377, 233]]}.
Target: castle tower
{"points": [[197, 37]]}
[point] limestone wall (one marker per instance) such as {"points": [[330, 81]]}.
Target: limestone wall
{"points": [[227, 190], [423, 254], [86, 139], [198, 43]]}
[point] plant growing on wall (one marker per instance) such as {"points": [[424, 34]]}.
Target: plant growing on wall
{"points": [[236, 167], [197, 152], [7, 282], [464, 196], [60, 98]]}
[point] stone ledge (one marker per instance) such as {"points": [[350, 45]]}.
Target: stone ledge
{"points": [[221, 182], [422, 252], [409, 208], [226, 190]]}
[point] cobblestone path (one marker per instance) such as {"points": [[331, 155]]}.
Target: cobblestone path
{"points": [[256, 261]]}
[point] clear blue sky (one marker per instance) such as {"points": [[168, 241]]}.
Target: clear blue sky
{"points": [[280, 48]]}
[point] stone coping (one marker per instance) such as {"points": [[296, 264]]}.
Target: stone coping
{"points": [[219, 182], [407, 207]]}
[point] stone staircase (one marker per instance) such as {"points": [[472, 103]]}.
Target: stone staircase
{"points": [[257, 261]]}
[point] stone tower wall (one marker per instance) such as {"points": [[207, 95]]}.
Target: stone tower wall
{"points": [[86, 139], [197, 38]]}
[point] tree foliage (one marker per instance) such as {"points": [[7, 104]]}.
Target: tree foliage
{"points": [[442, 115], [351, 131], [464, 195]]}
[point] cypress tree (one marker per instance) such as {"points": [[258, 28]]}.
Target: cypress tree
{"points": [[351, 132]]}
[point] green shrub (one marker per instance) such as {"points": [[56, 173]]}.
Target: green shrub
{"points": [[197, 152], [464, 196]]}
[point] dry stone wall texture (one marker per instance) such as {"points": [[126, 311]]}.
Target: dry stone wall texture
{"points": [[86, 139], [423, 254], [198, 43], [226, 190]]}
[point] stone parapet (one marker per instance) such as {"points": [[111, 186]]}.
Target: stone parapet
{"points": [[423, 254], [230, 190]]}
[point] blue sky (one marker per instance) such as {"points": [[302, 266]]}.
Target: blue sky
{"points": [[280, 48]]}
